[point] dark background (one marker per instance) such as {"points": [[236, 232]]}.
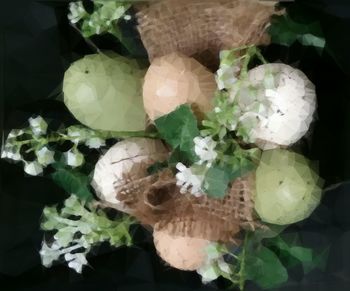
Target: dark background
{"points": [[36, 47]]}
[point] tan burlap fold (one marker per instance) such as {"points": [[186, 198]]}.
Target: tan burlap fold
{"points": [[156, 201], [201, 28]]}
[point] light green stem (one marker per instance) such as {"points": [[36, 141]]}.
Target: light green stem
{"points": [[241, 272]]}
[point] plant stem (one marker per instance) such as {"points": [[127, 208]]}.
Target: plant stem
{"points": [[125, 134], [260, 56], [242, 263]]}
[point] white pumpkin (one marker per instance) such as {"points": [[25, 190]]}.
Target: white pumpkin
{"points": [[120, 160]]}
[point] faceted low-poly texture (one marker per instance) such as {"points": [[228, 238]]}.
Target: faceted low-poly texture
{"points": [[184, 253], [157, 201], [127, 158], [104, 91], [175, 79], [287, 189], [202, 28], [277, 105]]}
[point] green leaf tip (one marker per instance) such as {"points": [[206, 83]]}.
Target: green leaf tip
{"points": [[178, 129]]}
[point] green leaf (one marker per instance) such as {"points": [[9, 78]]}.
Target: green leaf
{"points": [[73, 182], [263, 267], [218, 177], [178, 129], [216, 182], [319, 261], [285, 31], [292, 253]]}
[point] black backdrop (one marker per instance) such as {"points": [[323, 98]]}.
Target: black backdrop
{"points": [[37, 45]]}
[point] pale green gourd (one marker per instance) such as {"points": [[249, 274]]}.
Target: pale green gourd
{"points": [[103, 91], [287, 189]]}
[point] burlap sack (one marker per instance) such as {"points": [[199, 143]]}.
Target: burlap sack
{"points": [[201, 28]]}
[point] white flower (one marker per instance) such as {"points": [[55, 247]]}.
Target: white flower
{"points": [[226, 76], [74, 158], [127, 17], [208, 273], [75, 134], [76, 11], [214, 265], [49, 254], [186, 179], [33, 168], [205, 149], [76, 261], [3, 154], [95, 143], [45, 156], [38, 125], [223, 266], [11, 153], [15, 133]]}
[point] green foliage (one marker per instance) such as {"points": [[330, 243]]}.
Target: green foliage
{"points": [[178, 129], [263, 267], [103, 19], [285, 31], [263, 258], [221, 124], [216, 182], [78, 227], [73, 181], [232, 162], [292, 253]]}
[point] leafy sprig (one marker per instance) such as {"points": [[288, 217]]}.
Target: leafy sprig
{"points": [[43, 143], [104, 17], [286, 31], [78, 228], [258, 259]]}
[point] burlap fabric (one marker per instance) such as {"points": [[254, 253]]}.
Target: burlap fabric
{"points": [[201, 28], [156, 201]]}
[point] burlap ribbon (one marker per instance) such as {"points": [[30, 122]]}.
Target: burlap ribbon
{"points": [[201, 28], [156, 201]]}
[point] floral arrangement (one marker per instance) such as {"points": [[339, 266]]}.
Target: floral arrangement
{"points": [[204, 135]]}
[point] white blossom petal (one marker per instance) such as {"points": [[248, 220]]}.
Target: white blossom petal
{"points": [[33, 168], [74, 158], [38, 125], [95, 143], [45, 156], [187, 180]]}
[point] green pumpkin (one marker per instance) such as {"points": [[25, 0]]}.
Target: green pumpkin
{"points": [[287, 189], [104, 92]]}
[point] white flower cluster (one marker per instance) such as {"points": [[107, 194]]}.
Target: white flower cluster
{"points": [[227, 74], [191, 179], [52, 253], [76, 11], [205, 149], [215, 264], [74, 239], [11, 150], [101, 19], [37, 142], [38, 125]]}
